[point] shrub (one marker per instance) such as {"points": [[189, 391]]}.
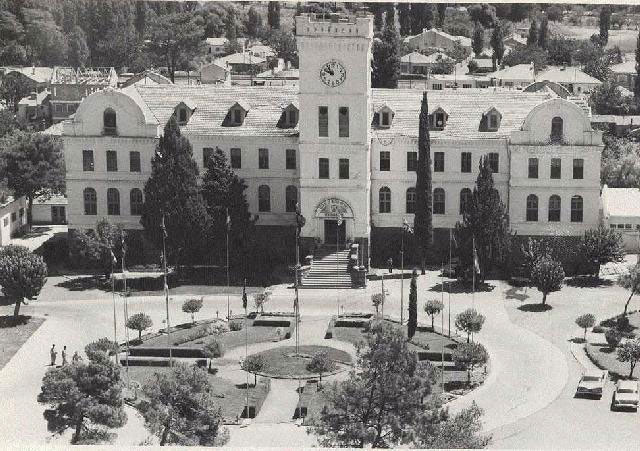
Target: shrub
{"points": [[599, 329], [613, 338], [585, 321], [192, 306], [235, 326], [217, 328]]}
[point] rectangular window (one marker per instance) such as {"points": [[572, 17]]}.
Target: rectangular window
{"points": [[182, 115], [5, 221], [467, 85], [494, 162], [578, 168], [343, 122], [465, 162], [556, 168], [533, 168], [384, 122], [87, 160], [323, 168], [263, 158], [59, 108], [323, 121], [237, 116], [438, 162], [134, 162], [343, 168], [235, 155], [112, 161], [21, 213], [437, 87], [385, 160], [207, 154], [412, 161], [14, 216], [291, 158]]}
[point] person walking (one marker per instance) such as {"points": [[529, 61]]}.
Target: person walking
{"points": [[53, 354], [64, 356]]}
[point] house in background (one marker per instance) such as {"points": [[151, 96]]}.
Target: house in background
{"points": [[417, 63], [621, 211], [49, 210], [625, 73], [522, 75], [262, 51], [243, 63], [278, 76], [34, 109], [216, 47], [13, 215], [36, 78], [147, 77], [70, 86], [215, 74], [435, 38], [518, 76]]}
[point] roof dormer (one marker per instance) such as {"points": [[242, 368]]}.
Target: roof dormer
{"points": [[183, 111], [236, 114], [491, 119], [290, 115], [438, 119], [383, 116]]}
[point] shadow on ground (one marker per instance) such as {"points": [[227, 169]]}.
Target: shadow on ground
{"points": [[534, 308], [7, 321], [85, 283], [588, 282], [514, 293], [461, 287], [35, 232]]}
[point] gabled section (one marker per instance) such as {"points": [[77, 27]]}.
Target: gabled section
{"points": [[183, 111], [383, 116], [236, 115], [438, 119], [490, 121], [290, 115]]}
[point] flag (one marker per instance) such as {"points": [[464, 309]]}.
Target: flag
{"points": [[163, 227], [452, 238], [113, 257], [406, 227], [228, 220], [244, 294], [476, 263]]}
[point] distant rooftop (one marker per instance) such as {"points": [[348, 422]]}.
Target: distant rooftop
{"points": [[105, 76], [621, 201], [38, 74]]}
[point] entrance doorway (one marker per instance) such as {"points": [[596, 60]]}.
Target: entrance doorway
{"points": [[333, 231], [58, 215]]}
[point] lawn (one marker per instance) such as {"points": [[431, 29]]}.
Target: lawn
{"points": [[282, 361], [232, 397], [13, 337], [605, 358]]}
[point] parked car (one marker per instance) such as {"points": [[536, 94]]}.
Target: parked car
{"points": [[625, 396], [592, 384]]}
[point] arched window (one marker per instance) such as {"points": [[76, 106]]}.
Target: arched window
{"points": [[438, 201], [532, 207], [465, 199], [576, 209], [411, 200], [109, 122], [113, 202], [557, 125], [264, 198], [90, 201], [554, 208], [135, 202], [291, 198], [384, 198]]}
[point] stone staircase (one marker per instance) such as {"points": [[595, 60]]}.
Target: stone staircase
{"points": [[328, 270]]}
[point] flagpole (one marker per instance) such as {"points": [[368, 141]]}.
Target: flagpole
{"points": [[442, 323], [449, 285], [166, 287], [402, 277], [473, 283], [113, 298], [383, 296], [126, 303], [227, 238], [246, 341]]}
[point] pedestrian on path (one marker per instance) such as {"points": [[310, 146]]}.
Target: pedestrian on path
{"points": [[76, 358], [64, 356], [53, 354], [390, 265]]}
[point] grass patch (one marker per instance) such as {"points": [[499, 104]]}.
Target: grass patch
{"points": [[282, 361], [14, 336], [605, 358]]}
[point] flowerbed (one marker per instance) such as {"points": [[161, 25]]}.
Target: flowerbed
{"points": [[282, 361]]}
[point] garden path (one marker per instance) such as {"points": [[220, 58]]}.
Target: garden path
{"points": [[280, 404]]}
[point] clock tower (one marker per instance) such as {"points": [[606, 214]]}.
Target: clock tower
{"points": [[335, 117]]}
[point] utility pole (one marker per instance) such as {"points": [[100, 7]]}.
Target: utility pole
{"points": [[227, 238], [166, 287]]}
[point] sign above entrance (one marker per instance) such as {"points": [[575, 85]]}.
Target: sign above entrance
{"points": [[333, 208]]}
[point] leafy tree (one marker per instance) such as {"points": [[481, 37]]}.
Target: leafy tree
{"points": [[260, 299], [321, 363], [497, 44], [284, 44], [629, 352], [231, 26], [140, 322], [390, 15], [526, 55], [254, 364], [462, 431], [598, 68], [412, 324], [421, 17], [175, 39], [182, 408], [532, 38], [96, 350], [44, 41], [376, 300], [477, 42], [85, 397], [458, 53], [607, 99], [483, 14], [379, 405], [423, 221], [442, 13], [173, 189], [468, 356], [554, 13], [192, 306], [547, 276], [93, 249], [636, 86], [613, 337], [78, 54], [33, 164], [8, 122], [386, 59], [273, 15], [605, 22], [630, 281], [404, 17], [533, 250], [22, 275], [586, 321], [212, 350], [253, 24], [601, 246], [543, 33], [432, 308], [14, 88], [469, 321], [620, 164]]}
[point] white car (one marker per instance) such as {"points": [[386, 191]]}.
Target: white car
{"points": [[626, 395], [592, 383]]}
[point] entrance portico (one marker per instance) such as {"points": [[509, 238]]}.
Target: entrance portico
{"points": [[334, 221]]}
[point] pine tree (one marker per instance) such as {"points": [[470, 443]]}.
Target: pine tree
{"points": [[253, 24], [636, 86], [497, 44], [386, 59], [413, 305], [404, 17], [532, 39], [378, 17], [231, 26], [273, 15], [423, 222], [173, 189], [477, 42], [543, 33], [605, 21]]}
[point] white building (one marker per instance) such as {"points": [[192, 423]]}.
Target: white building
{"points": [[434, 38], [522, 75], [335, 145], [13, 216], [621, 211]]}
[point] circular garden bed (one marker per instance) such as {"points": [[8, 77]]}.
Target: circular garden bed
{"points": [[282, 362]]}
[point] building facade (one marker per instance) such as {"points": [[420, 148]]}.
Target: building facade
{"points": [[346, 153]]}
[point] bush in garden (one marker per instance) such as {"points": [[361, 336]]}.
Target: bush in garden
{"points": [[192, 306], [585, 321], [235, 326], [613, 338]]}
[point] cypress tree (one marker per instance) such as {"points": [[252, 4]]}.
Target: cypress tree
{"points": [[413, 305], [497, 43], [477, 42], [386, 59], [532, 39], [605, 19], [273, 15], [421, 17], [404, 16], [636, 86], [543, 33], [442, 13], [423, 222]]}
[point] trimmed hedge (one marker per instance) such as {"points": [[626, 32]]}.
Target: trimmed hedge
{"points": [[178, 352], [271, 323]]}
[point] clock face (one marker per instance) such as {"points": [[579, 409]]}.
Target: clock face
{"points": [[332, 73]]}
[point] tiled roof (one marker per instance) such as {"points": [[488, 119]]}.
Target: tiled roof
{"points": [[217, 41], [628, 67], [285, 73], [621, 201], [419, 58], [239, 58], [40, 97], [37, 74], [483, 63], [54, 130], [566, 75], [614, 119], [517, 72]]}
